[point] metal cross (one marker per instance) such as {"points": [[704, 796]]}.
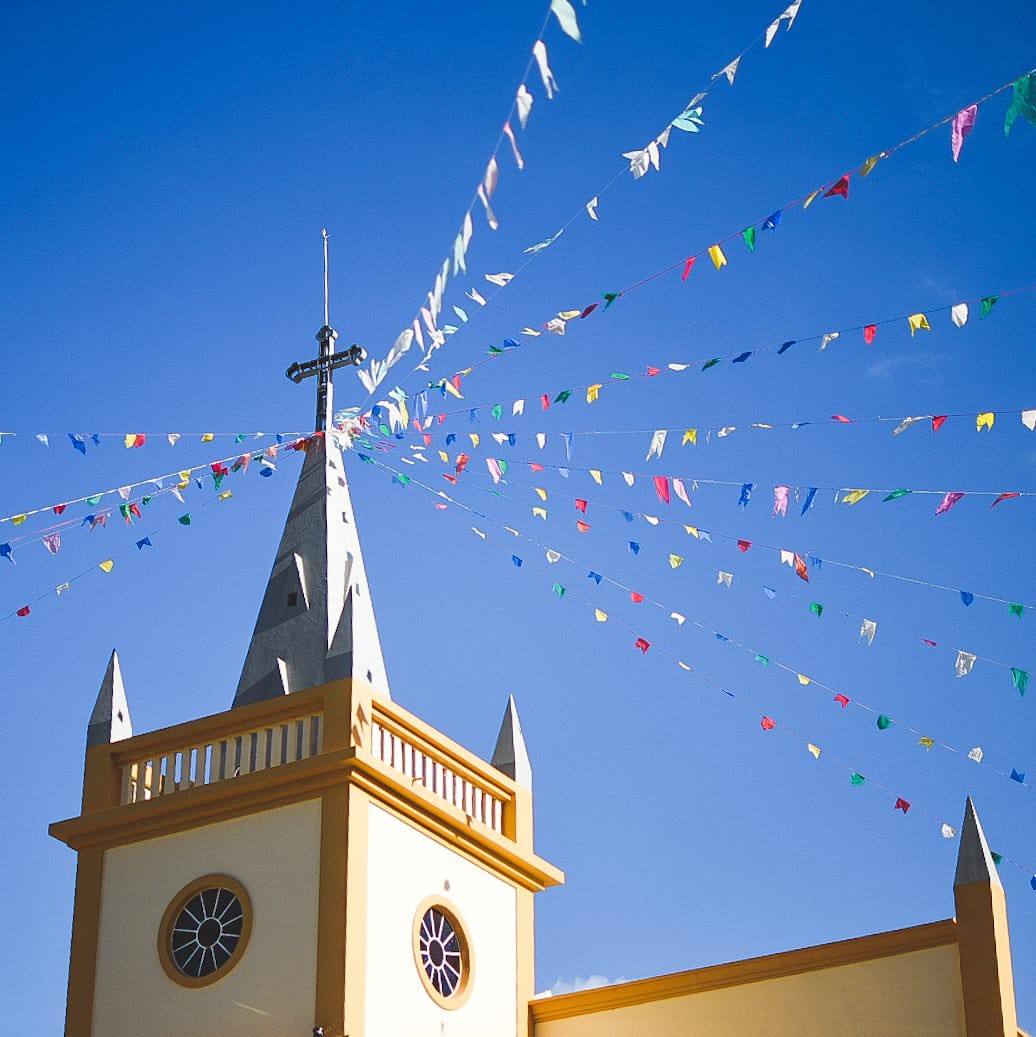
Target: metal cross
{"points": [[327, 360]]}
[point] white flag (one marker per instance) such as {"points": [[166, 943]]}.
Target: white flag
{"points": [[550, 84], [965, 661]]}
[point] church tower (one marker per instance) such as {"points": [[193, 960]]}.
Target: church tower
{"points": [[316, 859]]}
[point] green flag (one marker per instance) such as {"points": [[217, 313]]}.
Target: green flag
{"points": [[884, 722], [816, 607], [1015, 609], [146, 499], [986, 305], [997, 857], [559, 590], [185, 520], [711, 363], [95, 499], [749, 235], [1023, 102], [609, 298], [856, 778], [762, 659], [895, 495], [497, 411], [1020, 678], [562, 397]]}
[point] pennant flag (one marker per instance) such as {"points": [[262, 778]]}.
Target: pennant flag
{"points": [[810, 494], [1020, 679], [895, 495], [938, 421], [1017, 776], [725, 578], [134, 440], [553, 556], [1023, 102], [691, 436], [842, 700], [78, 443], [947, 502], [959, 314], [1014, 609], [52, 542], [901, 804], [767, 723], [800, 569], [749, 237], [948, 832], [690, 119], [657, 445], [583, 527], [744, 545], [884, 722], [746, 495], [986, 306], [762, 659], [642, 645], [773, 222], [780, 500], [636, 597], [842, 188], [681, 491], [869, 332], [596, 577], [856, 778], [143, 542], [784, 347], [997, 857], [816, 608], [1003, 497], [688, 266], [185, 520], [634, 547], [675, 561], [1029, 419], [854, 496], [730, 71], [867, 630], [716, 255], [539, 513], [814, 750], [680, 619], [965, 661], [559, 590], [926, 742], [976, 754], [770, 592], [963, 123], [23, 611], [596, 476], [918, 322], [985, 420], [107, 565], [662, 488]]}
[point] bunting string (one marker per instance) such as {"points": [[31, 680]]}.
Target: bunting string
{"points": [[767, 723], [837, 187], [134, 440]]}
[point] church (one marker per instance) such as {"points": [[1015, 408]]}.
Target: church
{"points": [[316, 860]]}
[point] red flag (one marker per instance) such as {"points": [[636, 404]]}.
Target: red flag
{"points": [[535, 467], [869, 332], [441, 507], [937, 422], [462, 461], [636, 597], [417, 424], [427, 439], [901, 804], [441, 419], [767, 723], [450, 478], [60, 508], [135, 509], [688, 266], [1003, 496], [590, 309], [580, 505], [744, 545], [842, 188], [800, 568], [842, 700], [662, 488], [583, 527], [842, 418], [652, 371], [24, 611], [544, 402], [642, 644], [456, 382], [931, 644]]}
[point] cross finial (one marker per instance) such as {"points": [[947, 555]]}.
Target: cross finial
{"points": [[327, 359]]}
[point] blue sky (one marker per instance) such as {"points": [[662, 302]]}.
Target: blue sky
{"points": [[166, 178]]}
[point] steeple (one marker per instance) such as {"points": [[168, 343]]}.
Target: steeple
{"points": [[110, 719], [316, 622], [974, 861], [510, 754]]}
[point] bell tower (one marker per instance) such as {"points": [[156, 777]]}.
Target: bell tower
{"points": [[316, 858]]}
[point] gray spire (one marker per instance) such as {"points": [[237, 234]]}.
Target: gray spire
{"points": [[110, 719], [974, 861], [510, 754], [316, 622]]}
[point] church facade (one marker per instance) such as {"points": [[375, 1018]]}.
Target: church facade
{"points": [[317, 860]]}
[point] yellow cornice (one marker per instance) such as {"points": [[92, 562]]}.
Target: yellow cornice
{"points": [[751, 970], [304, 779]]}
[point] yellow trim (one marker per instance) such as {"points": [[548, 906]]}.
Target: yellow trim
{"points": [[82, 964], [329, 1008], [467, 975], [177, 904], [751, 970], [355, 891]]}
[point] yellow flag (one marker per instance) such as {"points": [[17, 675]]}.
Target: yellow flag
{"points": [[183, 484], [854, 496], [207, 437], [541, 492], [866, 168], [185, 476], [918, 322], [444, 457], [984, 420], [717, 257], [466, 371], [690, 436], [451, 389], [811, 199], [512, 531], [814, 749], [474, 438], [592, 392], [569, 314], [803, 679], [18, 520], [541, 512], [927, 743], [675, 561], [107, 566], [600, 616], [129, 439], [693, 530], [226, 495], [596, 476]]}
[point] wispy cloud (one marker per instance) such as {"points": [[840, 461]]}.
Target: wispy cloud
{"points": [[591, 982], [917, 370]]}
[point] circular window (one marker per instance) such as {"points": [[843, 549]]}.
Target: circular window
{"points": [[442, 953], [204, 930]]}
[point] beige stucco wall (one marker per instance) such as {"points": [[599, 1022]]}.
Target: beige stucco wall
{"points": [[270, 993], [404, 867], [910, 995]]}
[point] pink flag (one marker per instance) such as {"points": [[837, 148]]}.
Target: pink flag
{"points": [[52, 542], [688, 266], [947, 502], [963, 123], [681, 491], [662, 488], [780, 500]]}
